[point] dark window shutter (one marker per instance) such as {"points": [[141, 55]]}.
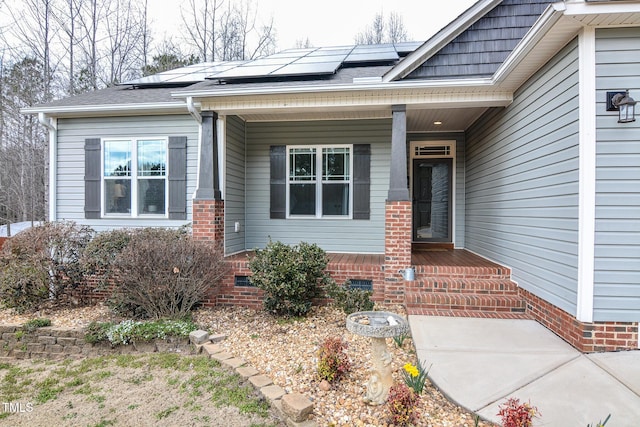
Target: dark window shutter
{"points": [[177, 177], [278, 182], [92, 178], [361, 180]]}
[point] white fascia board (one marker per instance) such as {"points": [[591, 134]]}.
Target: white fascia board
{"points": [[292, 90], [108, 109], [575, 8], [440, 39]]}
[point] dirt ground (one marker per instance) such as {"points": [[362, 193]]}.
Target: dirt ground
{"points": [[126, 391]]}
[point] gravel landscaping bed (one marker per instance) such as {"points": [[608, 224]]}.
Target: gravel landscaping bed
{"points": [[286, 351]]}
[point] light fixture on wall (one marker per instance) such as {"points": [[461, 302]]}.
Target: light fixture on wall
{"points": [[625, 105]]}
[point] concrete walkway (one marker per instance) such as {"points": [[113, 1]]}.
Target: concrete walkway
{"points": [[479, 363]]}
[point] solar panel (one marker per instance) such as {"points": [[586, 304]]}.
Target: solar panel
{"points": [[290, 62], [372, 53], [310, 68]]}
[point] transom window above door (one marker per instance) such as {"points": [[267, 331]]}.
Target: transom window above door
{"points": [[134, 177], [319, 181]]}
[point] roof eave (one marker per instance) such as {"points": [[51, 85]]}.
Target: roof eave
{"points": [[177, 107], [356, 87]]}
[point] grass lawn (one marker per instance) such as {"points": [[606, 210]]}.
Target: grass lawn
{"points": [[162, 389]]}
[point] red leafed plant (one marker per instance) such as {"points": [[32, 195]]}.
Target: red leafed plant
{"points": [[516, 414], [402, 402], [333, 361]]}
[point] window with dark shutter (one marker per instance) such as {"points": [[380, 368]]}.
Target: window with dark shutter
{"points": [[335, 185], [278, 182], [92, 178], [135, 182], [177, 177], [361, 181]]}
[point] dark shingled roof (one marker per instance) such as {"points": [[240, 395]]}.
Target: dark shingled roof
{"points": [[115, 95], [132, 95], [484, 46]]}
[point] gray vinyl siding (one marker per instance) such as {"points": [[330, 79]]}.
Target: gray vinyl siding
{"points": [[522, 183], [459, 208], [70, 161], [617, 239], [234, 194], [336, 235]]}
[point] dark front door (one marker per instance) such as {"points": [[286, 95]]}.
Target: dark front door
{"points": [[432, 200]]}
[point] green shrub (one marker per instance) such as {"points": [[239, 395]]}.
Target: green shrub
{"points": [[101, 253], [164, 274], [34, 324], [349, 300], [290, 276], [23, 286], [129, 331], [333, 361], [42, 264]]}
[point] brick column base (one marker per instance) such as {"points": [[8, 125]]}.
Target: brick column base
{"points": [[208, 220], [397, 249], [586, 337]]}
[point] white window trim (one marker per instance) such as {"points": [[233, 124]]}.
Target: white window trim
{"points": [[319, 173], [134, 178]]}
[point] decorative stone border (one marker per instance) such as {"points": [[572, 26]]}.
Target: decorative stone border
{"points": [[293, 407], [56, 343]]}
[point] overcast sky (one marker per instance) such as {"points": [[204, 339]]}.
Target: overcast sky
{"points": [[331, 22]]}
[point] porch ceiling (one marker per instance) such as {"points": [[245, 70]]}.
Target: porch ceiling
{"points": [[418, 119]]}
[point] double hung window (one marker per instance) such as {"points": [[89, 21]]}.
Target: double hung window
{"points": [[134, 177], [319, 181]]}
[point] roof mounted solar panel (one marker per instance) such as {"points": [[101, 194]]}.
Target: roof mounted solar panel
{"points": [[307, 68], [303, 62], [188, 74], [372, 53]]}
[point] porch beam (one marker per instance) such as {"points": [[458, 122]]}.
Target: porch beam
{"points": [[208, 167], [398, 190]]}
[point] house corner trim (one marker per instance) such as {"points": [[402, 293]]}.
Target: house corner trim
{"points": [[587, 175]]}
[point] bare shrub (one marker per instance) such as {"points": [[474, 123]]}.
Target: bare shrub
{"points": [[42, 264], [165, 273]]}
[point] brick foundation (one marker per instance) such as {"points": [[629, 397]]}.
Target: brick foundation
{"points": [[586, 337], [208, 220], [341, 267], [397, 249]]}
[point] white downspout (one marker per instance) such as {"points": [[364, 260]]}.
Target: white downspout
{"points": [[193, 110], [222, 152], [52, 126], [191, 107]]}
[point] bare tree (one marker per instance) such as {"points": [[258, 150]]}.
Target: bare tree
{"points": [[32, 25], [23, 148], [124, 39], [396, 31], [200, 19], [380, 31], [224, 34]]}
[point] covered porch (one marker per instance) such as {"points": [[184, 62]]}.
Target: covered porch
{"points": [[447, 282]]}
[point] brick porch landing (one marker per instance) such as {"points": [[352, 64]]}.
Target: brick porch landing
{"points": [[448, 283]]}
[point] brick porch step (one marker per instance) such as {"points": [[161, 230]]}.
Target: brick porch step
{"points": [[464, 302], [467, 272], [467, 313], [464, 285]]}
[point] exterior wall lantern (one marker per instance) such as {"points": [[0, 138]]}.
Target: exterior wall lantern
{"points": [[624, 104]]}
